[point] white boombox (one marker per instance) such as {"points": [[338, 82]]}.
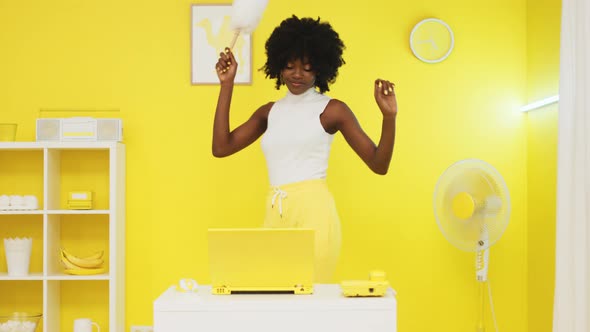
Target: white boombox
{"points": [[79, 129]]}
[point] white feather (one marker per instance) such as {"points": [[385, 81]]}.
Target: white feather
{"points": [[246, 14]]}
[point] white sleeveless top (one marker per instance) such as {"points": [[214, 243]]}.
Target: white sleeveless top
{"points": [[295, 144]]}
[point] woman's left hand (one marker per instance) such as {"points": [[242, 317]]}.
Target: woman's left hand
{"points": [[385, 97]]}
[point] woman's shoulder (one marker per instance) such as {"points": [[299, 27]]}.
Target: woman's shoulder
{"points": [[336, 106], [263, 110], [335, 112]]}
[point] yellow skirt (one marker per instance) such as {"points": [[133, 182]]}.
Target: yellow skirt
{"points": [[308, 204]]}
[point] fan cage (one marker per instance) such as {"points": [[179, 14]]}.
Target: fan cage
{"points": [[492, 200]]}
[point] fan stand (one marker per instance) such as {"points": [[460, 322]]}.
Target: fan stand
{"points": [[481, 272], [480, 324], [468, 193]]}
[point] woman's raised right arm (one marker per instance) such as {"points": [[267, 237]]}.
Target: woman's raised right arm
{"points": [[226, 142]]}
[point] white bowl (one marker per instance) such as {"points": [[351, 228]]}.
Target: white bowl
{"points": [[19, 322]]}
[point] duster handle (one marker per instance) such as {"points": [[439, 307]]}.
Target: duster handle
{"points": [[234, 39]]}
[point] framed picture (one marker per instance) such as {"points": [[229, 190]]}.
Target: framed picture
{"points": [[210, 35]]}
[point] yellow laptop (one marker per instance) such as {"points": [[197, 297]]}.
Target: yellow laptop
{"points": [[261, 260]]}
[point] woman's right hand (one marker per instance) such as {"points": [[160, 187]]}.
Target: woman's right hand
{"points": [[226, 66]]}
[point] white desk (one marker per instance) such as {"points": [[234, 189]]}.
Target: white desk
{"points": [[325, 310]]}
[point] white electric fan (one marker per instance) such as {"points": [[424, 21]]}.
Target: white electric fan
{"points": [[472, 210]]}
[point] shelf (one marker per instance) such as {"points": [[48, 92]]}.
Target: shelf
{"points": [[83, 298], [71, 170], [31, 276], [20, 146], [21, 173], [58, 145], [79, 212], [21, 212], [23, 226], [79, 234], [63, 276], [21, 295], [50, 170], [39, 212]]}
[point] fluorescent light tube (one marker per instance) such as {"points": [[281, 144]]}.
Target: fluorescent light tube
{"points": [[540, 103]]}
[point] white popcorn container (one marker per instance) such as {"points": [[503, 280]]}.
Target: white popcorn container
{"points": [[18, 256]]}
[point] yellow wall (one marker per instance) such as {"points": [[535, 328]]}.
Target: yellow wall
{"points": [[133, 56], [543, 27]]}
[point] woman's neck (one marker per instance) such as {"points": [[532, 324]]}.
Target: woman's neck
{"points": [[295, 98]]}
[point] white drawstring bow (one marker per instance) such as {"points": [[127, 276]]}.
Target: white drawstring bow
{"points": [[280, 194]]}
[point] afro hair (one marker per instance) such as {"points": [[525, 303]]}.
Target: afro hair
{"points": [[307, 39]]}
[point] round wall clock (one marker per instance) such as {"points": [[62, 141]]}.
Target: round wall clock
{"points": [[432, 40]]}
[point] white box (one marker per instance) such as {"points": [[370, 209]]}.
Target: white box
{"points": [[79, 129]]}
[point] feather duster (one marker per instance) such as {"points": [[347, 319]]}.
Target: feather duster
{"points": [[245, 15]]}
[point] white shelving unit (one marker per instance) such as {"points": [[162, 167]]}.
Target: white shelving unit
{"points": [[53, 216]]}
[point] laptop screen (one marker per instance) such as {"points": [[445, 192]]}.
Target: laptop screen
{"points": [[261, 259]]}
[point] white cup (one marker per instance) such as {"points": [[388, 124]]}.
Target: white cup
{"points": [[17, 200], [18, 256], [31, 202], [84, 325], [4, 201]]}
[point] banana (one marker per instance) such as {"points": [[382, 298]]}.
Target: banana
{"points": [[66, 263], [96, 255], [84, 272], [82, 262], [71, 268]]}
